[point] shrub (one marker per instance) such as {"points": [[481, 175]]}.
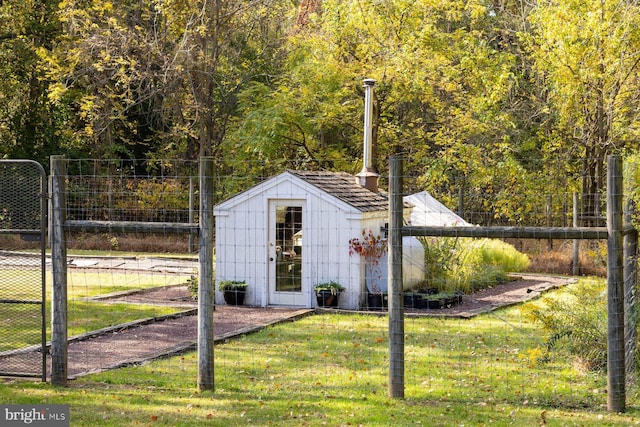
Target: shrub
{"points": [[192, 286], [576, 321], [465, 264], [371, 248]]}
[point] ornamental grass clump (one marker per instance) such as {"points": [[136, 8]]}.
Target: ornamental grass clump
{"points": [[466, 265], [576, 323]]}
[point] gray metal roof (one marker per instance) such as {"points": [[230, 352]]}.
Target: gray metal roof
{"points": [[344, 187]]}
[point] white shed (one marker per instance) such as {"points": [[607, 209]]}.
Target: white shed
{"points": [[291, 232]]}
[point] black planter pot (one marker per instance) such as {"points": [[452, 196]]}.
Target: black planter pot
{"points": [[234, 297], [410, 300], [415, 300], [377, 301], [444, 302], [435, 304], [327, 299], [453, 300]]}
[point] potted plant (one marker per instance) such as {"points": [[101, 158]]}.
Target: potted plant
{"points": [[327, 293], [234, 291], [192, 287], [377, 300], [372, 248]]}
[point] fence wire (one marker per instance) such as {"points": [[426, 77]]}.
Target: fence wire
{"points": [[469, 337], [22, 289]]}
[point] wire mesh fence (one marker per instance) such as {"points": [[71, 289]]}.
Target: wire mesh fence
{"points": [[468, 334], [22, 293]]}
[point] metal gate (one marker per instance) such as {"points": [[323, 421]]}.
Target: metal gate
{"points": [[23, 197]]}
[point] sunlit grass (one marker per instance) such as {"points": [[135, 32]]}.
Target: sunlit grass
{"points": [[82, 284], [85, 317], [332, 370], [20, 324], [137, 254]]}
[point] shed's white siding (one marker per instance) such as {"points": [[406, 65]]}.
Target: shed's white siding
{"points": [[241, 237], [242, 240]]}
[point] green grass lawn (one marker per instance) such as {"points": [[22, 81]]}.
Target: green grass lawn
{"points": [[90, 315], [82, 284], [330, 370], [20, 324]]}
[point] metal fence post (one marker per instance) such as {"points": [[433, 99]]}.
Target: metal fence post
{"points": [[615, 285], [205, 277], [396, 303], [59, 360]]}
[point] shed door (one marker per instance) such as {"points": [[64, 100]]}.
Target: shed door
{"points": [[286, 286]]}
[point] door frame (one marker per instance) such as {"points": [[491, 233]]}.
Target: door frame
{"points": [[279, 298]]}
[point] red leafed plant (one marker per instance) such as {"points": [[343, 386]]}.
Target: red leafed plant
{"points": [[369, 246]]}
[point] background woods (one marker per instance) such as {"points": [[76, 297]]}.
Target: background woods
{"points": [[502, 94]]}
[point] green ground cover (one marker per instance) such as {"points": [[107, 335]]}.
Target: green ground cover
{"points": [[90, 315], [20, 324], [330, 370], [82, 284]]}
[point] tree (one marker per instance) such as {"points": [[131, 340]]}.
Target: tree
{"points": [[222, 60], [441, 88], [30, 126], [161, 78], [587, 54]]}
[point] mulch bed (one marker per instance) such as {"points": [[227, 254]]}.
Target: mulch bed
{"points": [[139, 342]]}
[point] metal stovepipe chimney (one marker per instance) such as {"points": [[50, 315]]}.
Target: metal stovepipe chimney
{"points": [[368, 177]]}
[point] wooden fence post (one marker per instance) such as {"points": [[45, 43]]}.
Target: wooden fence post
{"points": [[615, 286], [630, 271], [59, 360], [191, 203], [396, 299], [576, 244], [630, 283], [205, 277]]}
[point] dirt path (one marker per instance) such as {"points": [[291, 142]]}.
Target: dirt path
{"points": [[142, 341]]}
